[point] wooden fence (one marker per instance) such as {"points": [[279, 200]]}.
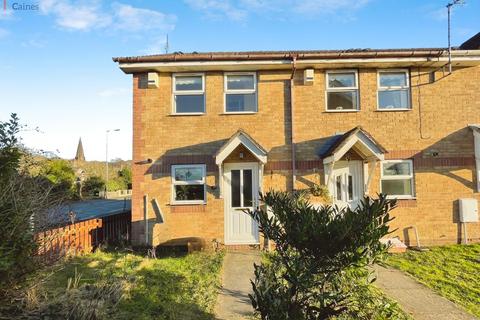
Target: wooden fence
{"points": [[83, 236]]}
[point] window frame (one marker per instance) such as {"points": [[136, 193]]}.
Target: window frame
{"points": [[410, 177], [187, 93], [394, 88], [342, 89], [194, 182], [227, 91]]}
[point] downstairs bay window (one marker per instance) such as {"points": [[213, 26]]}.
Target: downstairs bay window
{"points": [[188, 184], [397, 179]]}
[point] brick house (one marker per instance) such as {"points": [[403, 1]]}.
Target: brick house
{"points": [[211, 130]]}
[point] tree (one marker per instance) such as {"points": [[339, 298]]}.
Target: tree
{"points": [[10, 153], [125, 174], [93, 185], [60, 173], [320, 255], [26, 204]]}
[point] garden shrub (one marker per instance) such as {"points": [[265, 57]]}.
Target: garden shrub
{"points": [[320, 255]]}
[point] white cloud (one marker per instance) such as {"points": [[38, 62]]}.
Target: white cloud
{"points": [[113, 92], [156, 47], [94, 14], [76, 15], [240, 10], [134, 19], [218, 8], [33, 43]]}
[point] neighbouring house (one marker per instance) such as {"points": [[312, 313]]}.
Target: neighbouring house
{"points": [[211, 130]]}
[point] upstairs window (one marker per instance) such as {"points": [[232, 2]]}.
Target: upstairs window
{"points": [[188, 94], [393, 90], [342, 90], [188, 182], [240, 93], [397, 179]]}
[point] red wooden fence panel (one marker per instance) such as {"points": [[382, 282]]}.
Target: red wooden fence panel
{"points": [[83, 237]]}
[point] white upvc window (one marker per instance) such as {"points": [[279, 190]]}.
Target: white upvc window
{"points": [[397, 179], [188, 93], [240, 92], [393, 89], [188, 184], [342, 90]]}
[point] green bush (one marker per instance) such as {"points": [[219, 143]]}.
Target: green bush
{"points": [[25, 206], [92, 185], [60, 174], [320, 255], [125, 174], [115, 184]]}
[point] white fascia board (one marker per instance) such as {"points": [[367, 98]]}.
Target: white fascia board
{"points": [[458, 60]]}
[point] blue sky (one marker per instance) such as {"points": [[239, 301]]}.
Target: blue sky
{"points": [[57, 73]]}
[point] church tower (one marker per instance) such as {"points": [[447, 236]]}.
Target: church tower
{"points": [[80, 156]]}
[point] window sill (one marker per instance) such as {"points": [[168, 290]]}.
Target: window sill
{"points": [[238, 113], [341, 111], [401, 198], [193, 203], [393, 110], [187, 114]]}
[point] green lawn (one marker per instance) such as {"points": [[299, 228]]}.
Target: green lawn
{"points": [[452, 271], [131, 286]]}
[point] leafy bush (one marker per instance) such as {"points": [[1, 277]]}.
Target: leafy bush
{"points": [[60, 173], [26, 203], [125, 174], [93, 185], [115, 184], [320, 255]]}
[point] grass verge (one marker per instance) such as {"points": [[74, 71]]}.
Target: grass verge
{"points": [[452, 271], [126, 286]]}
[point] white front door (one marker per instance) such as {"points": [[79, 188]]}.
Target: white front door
{"points": [[241, 192], [346, 185]]}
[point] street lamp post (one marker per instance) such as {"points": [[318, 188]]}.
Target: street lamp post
{"points": [[106, 159]]}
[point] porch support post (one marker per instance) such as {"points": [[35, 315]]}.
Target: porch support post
{"points": [[260, 177], [372, 164], [330, 172], [220, 180]]}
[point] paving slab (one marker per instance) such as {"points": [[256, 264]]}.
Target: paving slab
{"points": [[419, 301], [233, 302]]}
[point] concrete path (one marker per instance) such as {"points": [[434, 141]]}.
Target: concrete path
{"points": [[416, 299], [233, 302]]}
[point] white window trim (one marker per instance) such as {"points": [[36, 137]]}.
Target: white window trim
{"points": [[343, 89], [411, 177], [392, 88], [187, 93], [194, 182], [227, 91]]}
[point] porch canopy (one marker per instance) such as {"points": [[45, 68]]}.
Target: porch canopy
{"points": [[363, 144], [237, 140]]}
